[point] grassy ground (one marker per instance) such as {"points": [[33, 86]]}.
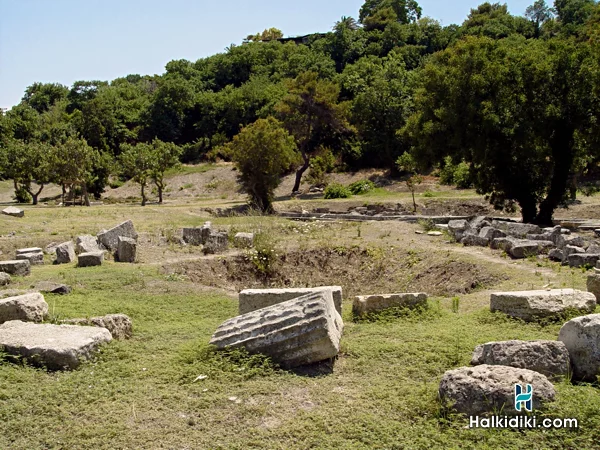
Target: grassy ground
{"points": [[144, 393]]}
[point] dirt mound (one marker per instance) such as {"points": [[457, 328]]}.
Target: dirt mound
{"points": [[359, 271]]}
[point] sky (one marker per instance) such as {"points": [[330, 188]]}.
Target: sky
{"points": [[63, 41]]}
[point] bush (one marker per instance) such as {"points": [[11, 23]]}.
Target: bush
{"points": [[264, 254], [337, 190], [22, 196], [320, 166], [458, 175], [361, 187]]}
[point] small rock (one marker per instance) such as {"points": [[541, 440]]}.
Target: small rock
{"points": [[583, 259], [35, 259], [19, 268], [217, 242], [4, 279], [582, 338], [65, 253], [243, 240], [110, 238], [86, 244], [52, 288], [556, 255], [14, 212], [126, 250], [593, 285], [435, 233], [27, 307], [374, 303]]}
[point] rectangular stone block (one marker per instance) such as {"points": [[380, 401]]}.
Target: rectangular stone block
{"points": [[532, 305], [298, 332], [253, 299], [365, 304], [33, 258], [127, 250], [65, 253], [22, 251], [90, 259], [28, 307], [55, 346], [20, 267], [110, 238]]}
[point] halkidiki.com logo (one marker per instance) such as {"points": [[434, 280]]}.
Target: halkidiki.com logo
{"points": [[523, 403]]}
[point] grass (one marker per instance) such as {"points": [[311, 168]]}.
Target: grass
{"points": [[146, 392], [186, 169]]}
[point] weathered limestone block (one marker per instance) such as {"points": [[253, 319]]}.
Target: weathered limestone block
{"points": [[56, 347], [523, 248], [593, 285], [518, 230], [488, 389], [478, 223], [569, 250], [301, 331], [574, 240], [192, 236], [374, 303], [126, 250], [253, 299], [65, 253], [119, 325], [556, 255], [20, 267], [90, 259], [86, 244], [27, 307], [35, 259], [4, 279], [243, 240], [110, 238], [22, 251], [593, 249], [550, 358], [457, 228], [217, 242], [14, 212], [471, 239], [532, 305], [583, 259], [582, 338], [504, 244], [490, 233], [52, 288], [51, 248]]}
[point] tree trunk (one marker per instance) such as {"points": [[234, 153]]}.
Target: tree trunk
{"points": [[160, 187], [528, 209], [412, 191], [143, 195], [300, 172], [563, 155], [64, 191], [86, 197]]}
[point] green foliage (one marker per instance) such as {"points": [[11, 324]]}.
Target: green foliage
{"points": [[456, 174], [361, 187], [336, 190], [263, 152], [264, 254], [320, 166], [407, 163], [21, 195]]}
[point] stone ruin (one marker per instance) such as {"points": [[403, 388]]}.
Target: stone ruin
{"points": [[521, 240], [212, 241]]}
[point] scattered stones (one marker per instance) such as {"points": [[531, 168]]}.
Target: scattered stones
{"points": [[110, 238], [52, 288], [583, 259], [254, 299], [192, 236], [86, 244], [582, 338], [522, 249], [457, 228], [126, 250], [556, 255], [490, 233], [119, 325], [14, 212], [4, 279], [27, 307], [593, 285], [575, 241], [550, 358], [472, 239], [489, 389], [533, 305], [435, 233], [504, 244], [19, 268], [593, 249], [51, 248], [56, 347], [90, 259], [297, 332], [375, 303], [65, 253], [217, 242], [243, 240], [569, 250], [33, 258]]}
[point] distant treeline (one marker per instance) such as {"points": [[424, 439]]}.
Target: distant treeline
{"points": [[515, 98]]}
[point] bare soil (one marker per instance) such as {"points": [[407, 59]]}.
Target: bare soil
{"points": [[359, 271]]}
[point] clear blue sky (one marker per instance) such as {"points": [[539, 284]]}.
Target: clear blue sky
{"points": [[68, 40]]}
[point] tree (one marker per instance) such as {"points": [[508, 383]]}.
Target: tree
{"points": [[136, 163], [27, 164], [538, 13], [270, 34], [517, 110], [311, 113], [41, 96], [406, 11], [263, 152], [163, 156], [72, 165], [406, 163], [572, 14], [348, 23]]}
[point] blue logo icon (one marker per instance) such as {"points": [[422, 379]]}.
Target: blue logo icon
{"points": [[524, 397]]}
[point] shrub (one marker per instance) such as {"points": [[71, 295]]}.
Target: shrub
{"points": [[263, 255], [320, 166], [337, 190], [22, 196], [361, 187], [458, 175]]}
